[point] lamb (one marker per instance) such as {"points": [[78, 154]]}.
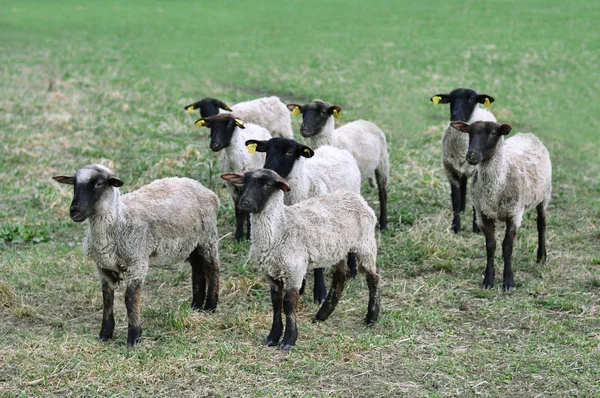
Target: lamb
{"points": [[228, 134], [328, 169], [316, 233], [163, 223], [510, 179], [363, 139], [267, 112], [463, 107]]}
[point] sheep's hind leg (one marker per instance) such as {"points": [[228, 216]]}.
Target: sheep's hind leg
{"points": [[132, 302], [108, 319], [374, 298], [319, 291], [338, 282], [198, 280], [490, 247], [541, 226], [290, 304], [456, 200], [507, 249], [382, 188], [352, 265], [277, 301], [212, 291]]}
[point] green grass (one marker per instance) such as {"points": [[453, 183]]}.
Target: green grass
{"points": [[84, 82]]}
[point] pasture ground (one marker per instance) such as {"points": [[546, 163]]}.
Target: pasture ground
{"points": [[85, 82]]}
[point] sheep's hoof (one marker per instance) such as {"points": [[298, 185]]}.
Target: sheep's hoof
{"points": [[104, 338], [271, 343], [286, 347], [508, 287], [488, 285]]}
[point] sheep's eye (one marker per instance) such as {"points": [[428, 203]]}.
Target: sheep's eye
{"points": [[290, 152], [100, 183]]}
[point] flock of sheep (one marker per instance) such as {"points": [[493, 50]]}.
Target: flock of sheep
{"points": [[301, 204]]}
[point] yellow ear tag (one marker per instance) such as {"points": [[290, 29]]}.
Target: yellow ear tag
{"points": [[239, 122], [296, 111], [190, 109], [435, 99], [200, 123], [487, 103], [306, 151], [337, 114], [251, 148]]}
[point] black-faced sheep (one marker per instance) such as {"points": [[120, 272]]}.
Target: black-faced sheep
{"points": [[511, 177], [316, 233], [164, 223], [464, 108]]}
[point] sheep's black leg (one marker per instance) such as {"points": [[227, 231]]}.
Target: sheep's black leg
{"points": [[248, 226], [198, 279], [132, 302], [456, 199], [475, 226], [212, 276], [488, 229], [463, 193], [507, 249], [338, 282], [239, 222], [541, 226], [352, 265], [277, 301], [108, 319], [290, 303], [320, 291], [374, 298], [303, 286], [382, 188]]}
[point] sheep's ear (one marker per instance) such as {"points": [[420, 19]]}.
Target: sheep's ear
{"points": [[224, 106], [307, 152], [115, 182], [66, 179], [460, 126], [202, 122], [440, 99], [295, 109], [335, 110], [282, 184], [485, 99], [504, 129], [239, 123], [256, 146], [234, 178]]}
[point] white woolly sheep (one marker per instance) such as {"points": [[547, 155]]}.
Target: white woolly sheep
{"points": [[227, 135], [463, 108], [511, 177], [316, 233], [310, 174], [164, 223], [267, 112], [364, 140]]}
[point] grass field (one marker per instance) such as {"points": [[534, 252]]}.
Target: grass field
{"points": [[106, 82]]}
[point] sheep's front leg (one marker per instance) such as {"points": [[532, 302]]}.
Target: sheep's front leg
{"points": [[198, 280], [290, 304], [487, 226], [456, 200], [463, 194], [374, 298], [212, 292], [239, 222], [319, 291], [277, 301], [541, 226], [475, 226], [507, 249], [132, 302], [108, 319], [338, 282], [352, 265]]}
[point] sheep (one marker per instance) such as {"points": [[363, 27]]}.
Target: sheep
{"points": [[163, 223], [363, 139], [464, 108], [328, 169], [511, 177], [228, 134], [316, 233], [267, 112]]}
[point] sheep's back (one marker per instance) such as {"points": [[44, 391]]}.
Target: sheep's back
{"points": [[365, 141], [268, 112]]}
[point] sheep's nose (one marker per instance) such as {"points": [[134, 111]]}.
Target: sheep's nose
{"points": [[245, 204], [472, 157]]}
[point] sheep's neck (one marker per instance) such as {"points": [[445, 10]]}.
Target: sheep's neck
{"points": [[266, 224], [299, 181], [325, 137], [236, 154], [492, 172], [103, 226]]}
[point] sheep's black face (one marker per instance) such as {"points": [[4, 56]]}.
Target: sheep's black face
{"points": [[314, 117], [462, 103], [282, 154], [483, 139], [259, 186], [91, 185], [221, 131]]}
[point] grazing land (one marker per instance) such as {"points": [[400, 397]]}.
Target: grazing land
{"points": [[105, 82]]}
